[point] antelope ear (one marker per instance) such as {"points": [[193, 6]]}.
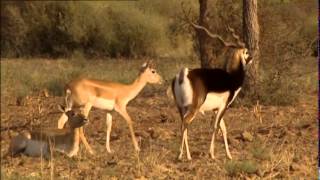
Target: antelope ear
{"points": [[61, 108], [144, 65]]}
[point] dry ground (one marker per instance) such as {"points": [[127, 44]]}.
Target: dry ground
{"points": [[284, 143], [280, 142]]}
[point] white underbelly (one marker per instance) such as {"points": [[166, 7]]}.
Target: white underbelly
{"points": [[214, 101], [102, 103]]}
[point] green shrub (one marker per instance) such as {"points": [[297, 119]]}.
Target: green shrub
{"points": [[234, 167], [96, 29]]}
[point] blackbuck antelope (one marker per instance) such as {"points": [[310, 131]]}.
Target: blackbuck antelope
{"points": [[109, 96], [41, 142], [200, 90]]}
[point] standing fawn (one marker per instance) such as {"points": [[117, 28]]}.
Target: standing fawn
{"points": [[109, 96], [41, 142], [200, 90]]}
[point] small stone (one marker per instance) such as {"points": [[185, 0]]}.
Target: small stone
{"points": [[233, 141], [260, 173], [20, 101], [263, 131], [294, 167], [114, 136], [246, 136], [112, 162], [153, 133], [163, 118], [142, 134], [305, 126], [299, 133], [295, 159]]}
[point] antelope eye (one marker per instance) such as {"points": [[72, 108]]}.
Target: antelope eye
{"points": [[153, 71]]}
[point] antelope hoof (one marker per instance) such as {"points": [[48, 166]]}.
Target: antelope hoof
{"points": [[212, 156], [92, 152], [137, 149], [180, 157], [229, 156], [110, 151], [71, 155], [189, 158]]}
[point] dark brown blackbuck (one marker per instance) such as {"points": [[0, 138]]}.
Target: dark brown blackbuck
{"points": [[41, 142], [204, 89], [108, 95]]}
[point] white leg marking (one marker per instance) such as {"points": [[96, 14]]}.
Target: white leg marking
{"points": [[187, 146], [74, 151], [123, 112], [212, 145], [220, 111], [224, 133], [63, 119], [85, 112], [109, 126], [182, 144], [235, 95]]}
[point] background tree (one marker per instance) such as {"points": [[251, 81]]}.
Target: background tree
{"points": [[251, 37], [204, 41], [208, 48]]}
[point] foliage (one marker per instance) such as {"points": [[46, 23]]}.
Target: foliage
{"points": [[96, 29], [234, 167]]}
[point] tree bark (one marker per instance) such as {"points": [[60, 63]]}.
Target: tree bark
{"points": [[251, 38], [208, 54]]}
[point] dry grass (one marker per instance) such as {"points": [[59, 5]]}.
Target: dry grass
{"points": [[34, 75], [284, 144]]}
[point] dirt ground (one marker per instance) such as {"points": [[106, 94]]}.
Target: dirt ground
{"points": [[265, 142]]}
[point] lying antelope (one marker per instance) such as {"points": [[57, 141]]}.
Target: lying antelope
{"points": [[42, 141], [108, 96], [201, 90]]}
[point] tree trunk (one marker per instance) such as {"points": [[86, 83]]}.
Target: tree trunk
{"points": [[251, 38], [207, 53]]}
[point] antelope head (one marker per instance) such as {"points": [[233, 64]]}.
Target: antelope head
{"points": [[150, 74], [246, 58], [74, 120]]}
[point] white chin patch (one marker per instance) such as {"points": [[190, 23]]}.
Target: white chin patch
{"points": [[244, 63]]}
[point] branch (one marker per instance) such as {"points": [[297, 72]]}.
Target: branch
{"points": [[213, 36], [210, 34], [239, 42]]}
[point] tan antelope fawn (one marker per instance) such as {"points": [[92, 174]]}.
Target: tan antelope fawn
{"points": [[109, 96], [41, 142], [200, 90]]}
